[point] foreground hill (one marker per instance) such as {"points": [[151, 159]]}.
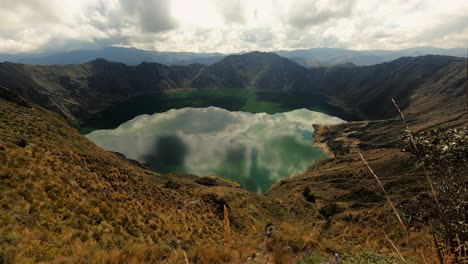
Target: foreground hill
{"points": [[65, 199], [79, 92]]}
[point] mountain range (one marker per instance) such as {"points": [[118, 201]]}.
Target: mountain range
{"points": [[81, 91], [314, 57]]}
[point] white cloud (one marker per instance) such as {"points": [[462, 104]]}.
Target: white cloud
{"points": [[231, 25], [232, 11], [304, 13]]}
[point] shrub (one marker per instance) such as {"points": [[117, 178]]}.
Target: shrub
{"points": [[338, 147], [444, 154], [172, 185], [5, 257], [308, 196], [206, 181], [328, 210], [10, 238]]}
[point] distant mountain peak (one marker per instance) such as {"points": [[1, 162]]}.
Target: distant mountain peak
{"points": [[261, 52], [256, 54], [101, 61], [256, 57]]}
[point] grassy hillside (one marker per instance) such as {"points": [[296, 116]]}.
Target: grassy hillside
{"points": [[343, 181], [64, 199]]}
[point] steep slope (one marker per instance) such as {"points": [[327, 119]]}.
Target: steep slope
{"points": [[437, 101], [367, 91], [64, 198], [79, 92]]}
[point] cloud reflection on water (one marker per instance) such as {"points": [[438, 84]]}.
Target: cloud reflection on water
{"points": [[255, 150]]}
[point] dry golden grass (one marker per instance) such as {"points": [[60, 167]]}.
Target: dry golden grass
{"points": [[423, 252], [64, 200]]}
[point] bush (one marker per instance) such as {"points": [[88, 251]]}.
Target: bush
{"points": [[10, 238], [308, 196], [328, 210], [338, 147], [444, 154], [172, 185]]}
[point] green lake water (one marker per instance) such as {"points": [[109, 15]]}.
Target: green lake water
{"points": [[255, 150], [246, 100]]}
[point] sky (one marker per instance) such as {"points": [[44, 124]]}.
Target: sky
{"points": [[230, 26]]}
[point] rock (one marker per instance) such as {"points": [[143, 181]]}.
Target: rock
{"points": [[206, 181], [269, 229], [172, 185]]}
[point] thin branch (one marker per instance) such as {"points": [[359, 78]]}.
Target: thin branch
{"points": [[396, 249], [185, 257], [466, 79], [227, 231], [391, 205]]}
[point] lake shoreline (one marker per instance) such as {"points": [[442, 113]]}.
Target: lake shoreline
{"points": [[317, 140], [255, 150]]}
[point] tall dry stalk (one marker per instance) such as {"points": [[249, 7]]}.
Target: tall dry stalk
{"points": [[413, 145], [389, 201], [227, 232], [396, 249], [466, 79]]}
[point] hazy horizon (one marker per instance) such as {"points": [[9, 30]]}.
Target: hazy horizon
{"points": [[237, 52]]}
